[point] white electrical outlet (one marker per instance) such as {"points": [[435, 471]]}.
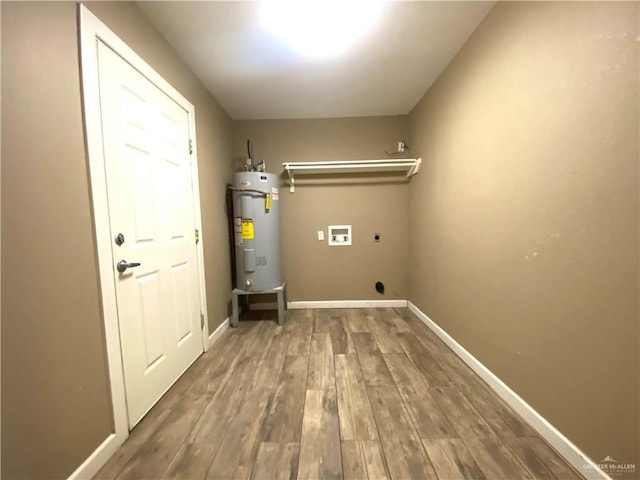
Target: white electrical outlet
{"points": [[320, 234]]}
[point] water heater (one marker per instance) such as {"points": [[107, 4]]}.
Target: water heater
{"points": [[256, 212]]}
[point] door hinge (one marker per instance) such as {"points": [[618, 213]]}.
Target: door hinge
{"points": [[197, 236], [190, 146], [201, 321]]}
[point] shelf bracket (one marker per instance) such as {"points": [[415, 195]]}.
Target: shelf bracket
{"points": [[415, 168], [292, 185]]}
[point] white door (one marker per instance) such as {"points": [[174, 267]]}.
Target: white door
{"points": [[150, 197]]}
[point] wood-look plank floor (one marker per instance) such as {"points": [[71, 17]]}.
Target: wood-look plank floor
{"points": [[333, 394]]}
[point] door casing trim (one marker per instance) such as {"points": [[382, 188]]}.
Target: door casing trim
{"points": [[91, 31]]}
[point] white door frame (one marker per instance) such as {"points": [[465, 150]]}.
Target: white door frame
{"points": [[92, 30]]}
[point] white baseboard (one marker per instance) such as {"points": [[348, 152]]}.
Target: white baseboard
{"points": [[552, 435], [98, 458], [218, 332], [332, 304], [349, 304]]}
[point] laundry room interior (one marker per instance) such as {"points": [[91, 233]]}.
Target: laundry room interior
{"points": [[453, 230]]}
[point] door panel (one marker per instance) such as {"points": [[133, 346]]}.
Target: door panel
{"points": [[150, 195]]}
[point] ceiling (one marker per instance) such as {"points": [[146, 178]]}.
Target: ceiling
{"points": [[253, 75]]}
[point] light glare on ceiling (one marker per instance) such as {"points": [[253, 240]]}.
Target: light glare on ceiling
{"points": [[320, 28]]}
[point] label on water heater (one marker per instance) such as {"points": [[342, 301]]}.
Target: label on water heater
{"points": [[274, 193], [247, 229]]}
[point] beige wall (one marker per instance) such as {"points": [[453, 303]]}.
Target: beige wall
{"points": [[55, 400], [525, 238], [313, 270]]}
